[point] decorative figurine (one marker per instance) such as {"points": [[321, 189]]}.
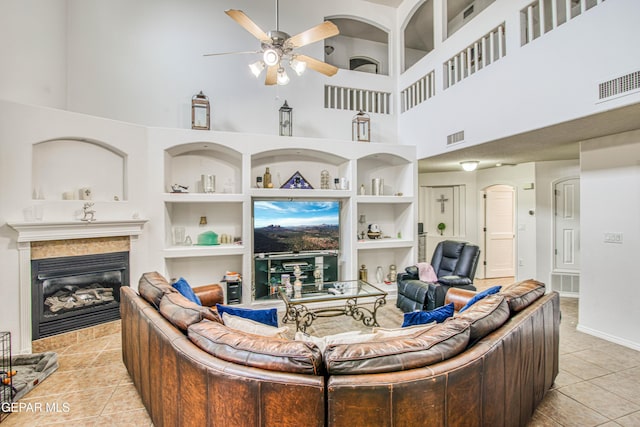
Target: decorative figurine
{"points": [[178, 188], [88, 213], [297, 285]]}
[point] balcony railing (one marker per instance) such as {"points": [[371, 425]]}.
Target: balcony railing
{"points": [[418, 92], [478, 55], [542, 16], [348, 98]]}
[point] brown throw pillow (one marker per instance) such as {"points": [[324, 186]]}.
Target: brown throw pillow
{"points": [[485, 316], [274, 354], [520, 295], [152, 287], [183, 313], [440, 342]]}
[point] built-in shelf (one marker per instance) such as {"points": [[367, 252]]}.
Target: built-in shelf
{"points": [[384, 243], [203, 251], [202, 197], [385, 199], [283, 193]]}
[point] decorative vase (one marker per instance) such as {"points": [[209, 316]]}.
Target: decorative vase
{"points": [[379, 275]]}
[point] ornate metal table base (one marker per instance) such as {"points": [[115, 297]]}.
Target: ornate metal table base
{"points": [[303, 317]]}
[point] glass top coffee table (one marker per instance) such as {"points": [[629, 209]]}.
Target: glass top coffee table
{"points": [[349, 294]]}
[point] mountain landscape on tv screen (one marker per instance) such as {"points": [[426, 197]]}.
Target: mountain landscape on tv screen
{"points": [[274, 238]]}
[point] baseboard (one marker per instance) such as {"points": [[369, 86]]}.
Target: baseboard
{"points": [[610, 338]]}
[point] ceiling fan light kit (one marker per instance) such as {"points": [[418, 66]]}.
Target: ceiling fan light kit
{"points": [[278, 48], [469, 165]]}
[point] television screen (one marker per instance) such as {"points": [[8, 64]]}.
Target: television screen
{"points": [[295, 226]]}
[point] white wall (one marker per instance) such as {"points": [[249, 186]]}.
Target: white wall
{"points": [[610, 202], [34, 52], [547, 174], [555, 77], [142, 61], [22, 126]]}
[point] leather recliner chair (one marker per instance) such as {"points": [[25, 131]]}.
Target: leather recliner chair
{"points": [[455, 265]]}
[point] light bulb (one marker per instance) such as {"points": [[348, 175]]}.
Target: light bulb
{"points": [[283, 78], [470, 165], [298, 66], [257, 67], [270, 57]]}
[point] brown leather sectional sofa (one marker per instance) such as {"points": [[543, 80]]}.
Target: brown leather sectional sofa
{"points": [[490, 365]]}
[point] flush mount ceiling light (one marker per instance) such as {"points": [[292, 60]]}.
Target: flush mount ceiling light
{"points": [[278, 46], [469, 165]]}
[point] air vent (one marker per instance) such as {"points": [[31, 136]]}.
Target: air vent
{"points": [[620, 85], [454, 138]]}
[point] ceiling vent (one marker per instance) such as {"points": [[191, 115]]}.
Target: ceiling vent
{"points": [[454, 138], [619, 86]]}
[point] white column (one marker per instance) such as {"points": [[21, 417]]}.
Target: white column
{"points": [[24, 257]]}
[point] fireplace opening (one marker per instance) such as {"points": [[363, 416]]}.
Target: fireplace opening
{"points": [[75, 292]]}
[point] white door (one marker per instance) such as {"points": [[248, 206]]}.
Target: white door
{"points": [[499, 232], [567, 225]]}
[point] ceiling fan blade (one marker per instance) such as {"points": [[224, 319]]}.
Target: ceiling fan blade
{"points": [[248, 24], [319, 32], [319, 66], [231, 53], [272, 75]]}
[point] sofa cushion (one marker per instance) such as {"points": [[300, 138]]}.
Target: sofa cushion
{"points": [[182, 313], [267, 316], [349, 337], [273, 354], [477, 297], [152, 286], [520, 295], [485, 316], [440, 342], [438, 315], [252, 327], [182, 286], [402, 332]]}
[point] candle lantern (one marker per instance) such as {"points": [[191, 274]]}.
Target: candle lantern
{"points": [[200, 112], [361, 127], [286, 120]]}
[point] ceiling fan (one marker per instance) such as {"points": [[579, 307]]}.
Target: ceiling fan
{"points": [[279, 48]]}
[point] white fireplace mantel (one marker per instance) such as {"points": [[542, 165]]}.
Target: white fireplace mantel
{"points": [[41, 231], [45, 231]]}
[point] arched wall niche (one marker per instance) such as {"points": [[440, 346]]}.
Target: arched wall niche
{"points": [[77, 168], [358, 38], [418, 37]]}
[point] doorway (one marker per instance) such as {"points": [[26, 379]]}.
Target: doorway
{"points": [[499, 231]]}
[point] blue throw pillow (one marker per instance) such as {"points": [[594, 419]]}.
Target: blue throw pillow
{"points": [[184, 288], [421, 317], [477, 297], [267, 316]]}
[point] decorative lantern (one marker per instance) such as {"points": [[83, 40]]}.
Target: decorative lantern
{"points": [[200, 112], [286, 120], [360, 127]]}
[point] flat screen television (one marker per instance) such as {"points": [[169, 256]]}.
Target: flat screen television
{"points": [[293, 226]]}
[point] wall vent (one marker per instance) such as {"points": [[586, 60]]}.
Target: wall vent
{"points": [[619, 85], [566, 284], [454, 138]]}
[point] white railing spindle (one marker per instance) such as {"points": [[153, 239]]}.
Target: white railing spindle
{"points": [[542, 20], [500, 41], [554, 14], [567, 8], [530, 31]]}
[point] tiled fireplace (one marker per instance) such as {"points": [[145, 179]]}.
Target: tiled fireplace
{"points": [[73, 292], [71, 274]]}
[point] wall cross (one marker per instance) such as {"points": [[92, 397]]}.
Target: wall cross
{"points": [[441, 200]]}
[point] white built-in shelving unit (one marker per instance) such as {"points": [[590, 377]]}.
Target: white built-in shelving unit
{"points": [[237, 159]]}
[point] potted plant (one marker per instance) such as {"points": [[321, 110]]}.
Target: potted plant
{"points": [[441, 227]]}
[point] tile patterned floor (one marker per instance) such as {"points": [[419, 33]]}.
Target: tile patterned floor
{"points": [[598, 384]]}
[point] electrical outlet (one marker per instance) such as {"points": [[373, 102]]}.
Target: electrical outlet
{"points": [[613, 238]]}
